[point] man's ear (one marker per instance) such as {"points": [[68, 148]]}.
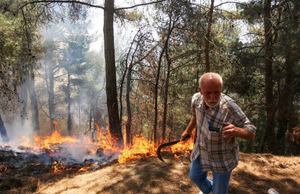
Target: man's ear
{"points": [[200, 90]]}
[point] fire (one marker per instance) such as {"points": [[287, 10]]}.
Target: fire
{"points": [[58, 166], [54, 138], [88, 167], [183, 147], [103, 146], [140, 148], [104, 139], [3, 168]]}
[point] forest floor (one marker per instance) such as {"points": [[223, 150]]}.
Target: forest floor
{"points": [[256, 173]]}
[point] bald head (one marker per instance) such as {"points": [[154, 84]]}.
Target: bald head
{"points": [[210, 77], [210, 86]]}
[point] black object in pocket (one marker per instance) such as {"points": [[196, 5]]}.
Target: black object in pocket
{"points": [[214, 129], [211, 128]]}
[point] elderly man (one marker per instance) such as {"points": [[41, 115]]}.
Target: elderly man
{"points": [[219, 123]]}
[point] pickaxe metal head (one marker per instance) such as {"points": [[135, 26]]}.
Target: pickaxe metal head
{"points": [[167, 144]]}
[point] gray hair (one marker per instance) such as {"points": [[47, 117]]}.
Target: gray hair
{"points": [[212, 74]]}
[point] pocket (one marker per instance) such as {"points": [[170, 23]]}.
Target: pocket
{"points": [[215, 137]]}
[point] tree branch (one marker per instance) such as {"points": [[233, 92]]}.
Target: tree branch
{"points": [[229, 2], [58, 1], [138, 5]]}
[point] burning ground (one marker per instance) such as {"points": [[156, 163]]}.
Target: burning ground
{"points": [[57, 168]]}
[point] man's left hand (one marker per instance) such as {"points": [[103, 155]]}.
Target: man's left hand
{"points": [[229, 130]]}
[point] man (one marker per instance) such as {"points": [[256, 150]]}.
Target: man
{"points": [[219, 123]]}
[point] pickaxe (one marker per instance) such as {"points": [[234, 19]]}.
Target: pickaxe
{"points": [[168, 144]]}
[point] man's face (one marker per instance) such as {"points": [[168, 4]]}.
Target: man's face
{"points": [[211, 90]]}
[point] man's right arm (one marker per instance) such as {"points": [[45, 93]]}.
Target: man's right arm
{"points": [[189, 128]]}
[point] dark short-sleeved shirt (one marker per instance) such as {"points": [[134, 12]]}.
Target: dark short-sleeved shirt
{"points": [[216, 153]]}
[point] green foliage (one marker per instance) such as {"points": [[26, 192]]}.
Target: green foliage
{"points": [[251, 11]]}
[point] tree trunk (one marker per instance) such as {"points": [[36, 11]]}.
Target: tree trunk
{"points": [[69, 106], [171, 27], [269, 130], [90, 123], [3, 131], [286, 106], [207, 37], [156, 93], [166, 97], [23, 100], [51, 96], [33, 101], [111, 84], [128, 106], [121, 95]]}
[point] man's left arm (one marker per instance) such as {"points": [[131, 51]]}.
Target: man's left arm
{"points": [[241, 127], [230, 131]]}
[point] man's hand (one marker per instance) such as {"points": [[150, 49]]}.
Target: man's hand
{"points": [[189, 128], [229, 130], [184, 135]]}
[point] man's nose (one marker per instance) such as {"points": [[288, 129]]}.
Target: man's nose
{"points": [[213, 96]]}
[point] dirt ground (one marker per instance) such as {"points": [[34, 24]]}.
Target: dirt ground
{"points": [[256, 173]]}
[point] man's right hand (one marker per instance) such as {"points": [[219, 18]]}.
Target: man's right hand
{"points": [[184, 135], [189, 129]]}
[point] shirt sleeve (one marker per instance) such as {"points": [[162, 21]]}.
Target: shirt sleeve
{"points": [[240, 119], [193, 103]]}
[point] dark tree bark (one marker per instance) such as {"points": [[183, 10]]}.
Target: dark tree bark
{"points": [[170, 29], [111, 84], [286, 107], [128, 106], [270, 110], [3, 131]]}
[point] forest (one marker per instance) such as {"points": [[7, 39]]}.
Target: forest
{"points": [[142, 76]]}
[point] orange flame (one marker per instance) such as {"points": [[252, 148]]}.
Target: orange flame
{"points": [[87, 167], [3, 168], [58, 166], [104, 139], [54, 138], [140, 147]]}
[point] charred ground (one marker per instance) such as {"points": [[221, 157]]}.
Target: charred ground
{"points": [[256, 173]]}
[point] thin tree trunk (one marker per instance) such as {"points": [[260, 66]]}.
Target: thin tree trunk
{"points": [[23, 100], [285, 103], [3, 131], [33, 101], [207, 37], [166, 98], [69, 106], [111, 84], [128, 106], [269, 130], [51, 96], [156, 94], [171, 27], [90, 123], [121, 94]]}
